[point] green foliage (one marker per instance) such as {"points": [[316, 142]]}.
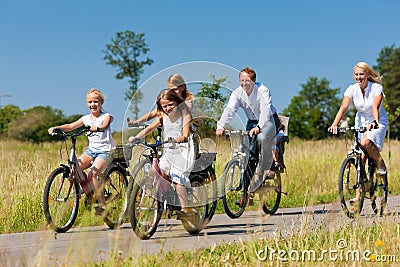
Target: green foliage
{"points": [[209, 105], [7, 115], [389, 67], [312, 111], [32, 125], [124, 53]]}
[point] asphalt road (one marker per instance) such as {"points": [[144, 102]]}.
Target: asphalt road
{"points": [[95, 243]]}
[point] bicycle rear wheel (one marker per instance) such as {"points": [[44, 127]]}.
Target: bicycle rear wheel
{"points": [[144, 209], [270, 194], [61, 200], [195, 222], [115, 185], [211, 179], [234, 196], [379, 190], [348, 186]]}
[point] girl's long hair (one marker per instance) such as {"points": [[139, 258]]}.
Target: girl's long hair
{"points": [[170, 95], [177, 80]]}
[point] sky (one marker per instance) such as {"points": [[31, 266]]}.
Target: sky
{"points": [[51, 52]]}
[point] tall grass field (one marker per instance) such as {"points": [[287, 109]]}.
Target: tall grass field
{"points": [[310, 179]]}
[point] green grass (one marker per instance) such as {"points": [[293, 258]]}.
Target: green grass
{"points": [[312, 170], [311, 178]]}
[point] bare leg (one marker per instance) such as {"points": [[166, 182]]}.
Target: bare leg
{"points": [[373, 152], [98, 166], [182, 195]]}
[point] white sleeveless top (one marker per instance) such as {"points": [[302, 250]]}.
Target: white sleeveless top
{"points": [[99, 141]]}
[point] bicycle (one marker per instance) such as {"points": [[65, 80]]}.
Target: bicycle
{"points": [[63, 191], [353, 177], [234, 198], [152, 194]]}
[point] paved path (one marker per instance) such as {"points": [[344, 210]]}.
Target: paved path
{"points": [[95, 243]]}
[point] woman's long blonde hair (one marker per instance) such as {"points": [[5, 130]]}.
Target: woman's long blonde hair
{"points": [[177, 80], [373, 76]]}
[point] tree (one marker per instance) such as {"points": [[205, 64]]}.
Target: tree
{"points": [[209, 104], [124, 53], [32, 125], [313, 110], [389, 67], [8, 113]]}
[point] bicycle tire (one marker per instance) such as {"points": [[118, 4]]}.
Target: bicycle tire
{"points": [[270, 196], [194, 223], [379, 190], [145, 209], [212, 178], [115, 187], [234, 198], [347, 184], [61, 200]]}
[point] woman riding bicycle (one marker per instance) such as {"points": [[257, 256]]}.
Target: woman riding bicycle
{"points": [[176, 163], [367, 95], [97, 154]]}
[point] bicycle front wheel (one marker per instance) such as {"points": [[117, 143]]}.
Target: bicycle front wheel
{"points": [[234, 196], [270, 194], [144, 209], [351, 188], [115, 185], [61, 200], [379, 190]]}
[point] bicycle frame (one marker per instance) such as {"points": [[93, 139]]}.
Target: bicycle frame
{"points": [[357, 152]]}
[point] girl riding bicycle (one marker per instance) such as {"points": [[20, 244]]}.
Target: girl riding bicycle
{"points": [[97, 154], [176, 163]]}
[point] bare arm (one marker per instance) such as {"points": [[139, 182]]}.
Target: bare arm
{"points": [[342, 110], [152, 114], [67, 127], [146, 130], [186, 127], [375, 106]]}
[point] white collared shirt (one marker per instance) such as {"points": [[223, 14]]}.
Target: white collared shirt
{"points": [[254, 105]]}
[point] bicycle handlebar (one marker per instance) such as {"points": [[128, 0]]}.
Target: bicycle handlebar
{"points": [[151, 145], [85, 129], [353, 128], [242, 132]]}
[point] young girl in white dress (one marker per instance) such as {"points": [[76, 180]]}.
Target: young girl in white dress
{"points": [[177, 163]]}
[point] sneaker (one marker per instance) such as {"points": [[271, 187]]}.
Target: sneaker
{"points": [[354, 202], [185, 215], [250, 200], [100, 211], [381, 172], [240, 202], [270, 174]]}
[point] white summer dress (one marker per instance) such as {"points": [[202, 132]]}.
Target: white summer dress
{"points": [[178, 159], [363, 104]]}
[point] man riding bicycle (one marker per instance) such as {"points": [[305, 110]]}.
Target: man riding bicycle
{"points": [[255, 100]]}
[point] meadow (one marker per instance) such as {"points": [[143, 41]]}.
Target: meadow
{"points": [[311, 179]]}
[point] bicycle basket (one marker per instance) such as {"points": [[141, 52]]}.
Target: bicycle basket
{"points": [[122, 153]]}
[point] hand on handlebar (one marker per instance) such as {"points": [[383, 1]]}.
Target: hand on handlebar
{"points": [[254, 131], [133, 140], [372, 125], [333, 129], [53, 130], [220, 132]]}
